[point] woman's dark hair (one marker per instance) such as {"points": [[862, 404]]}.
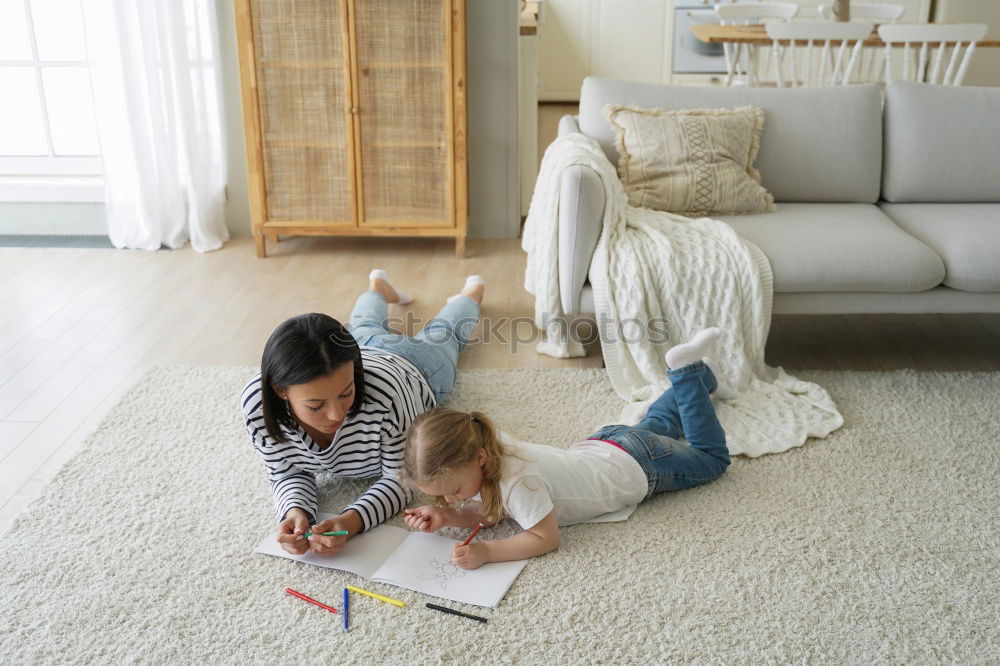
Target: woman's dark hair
{"points": [[300, 350]]}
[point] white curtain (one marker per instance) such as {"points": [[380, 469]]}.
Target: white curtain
{"points": [[156, 88]]}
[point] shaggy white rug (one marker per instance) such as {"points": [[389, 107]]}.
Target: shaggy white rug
{"points": [[879, 544]]}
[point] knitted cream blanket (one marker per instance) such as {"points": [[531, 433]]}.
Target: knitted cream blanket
{"points": [[658, 278]]}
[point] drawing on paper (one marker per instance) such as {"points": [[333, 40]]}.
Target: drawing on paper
{"points": [[442, 572]]}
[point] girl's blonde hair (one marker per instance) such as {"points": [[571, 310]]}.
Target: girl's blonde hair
{"points": [[441, 440]]}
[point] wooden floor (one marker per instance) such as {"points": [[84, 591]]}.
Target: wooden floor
{"points": [[77, 327]]}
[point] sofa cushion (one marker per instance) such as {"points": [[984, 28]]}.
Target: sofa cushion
{"points": [[691, 162], [819, 144], [839, 247], [942, 144], [965, 236]]}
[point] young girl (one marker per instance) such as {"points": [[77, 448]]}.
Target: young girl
{"points": [[340, 400], [455, 456]]}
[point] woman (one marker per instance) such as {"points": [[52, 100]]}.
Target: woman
{"points": [[340, 400]]}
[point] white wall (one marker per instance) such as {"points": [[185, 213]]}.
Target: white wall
{"points": [[492, 36], [492, 90], [53, 218], [238, 200]]}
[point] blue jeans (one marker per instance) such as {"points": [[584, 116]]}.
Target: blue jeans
{"points": [[434, 350], [684, 410]]}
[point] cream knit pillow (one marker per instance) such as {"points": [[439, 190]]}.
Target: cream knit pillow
{"points": [[691, 162]]}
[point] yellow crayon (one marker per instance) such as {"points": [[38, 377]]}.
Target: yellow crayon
{"points": [[376, 596]]}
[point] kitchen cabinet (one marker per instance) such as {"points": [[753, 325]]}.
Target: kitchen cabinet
{"points": [[625, 39]]}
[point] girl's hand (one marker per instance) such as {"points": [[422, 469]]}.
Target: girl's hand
{"points": [[426, 518], [472, 556], [290, 532], [328, 545]]}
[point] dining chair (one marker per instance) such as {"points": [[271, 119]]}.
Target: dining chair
{"points": [[914, 68], [836, 63], [870, 60], [741, 59], [876, 13]]}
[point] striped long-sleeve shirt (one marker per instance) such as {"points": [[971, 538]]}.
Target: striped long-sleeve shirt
{"points": [[368, 444]]}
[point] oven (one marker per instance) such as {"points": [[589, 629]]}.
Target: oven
{"points": [[691, 55]]}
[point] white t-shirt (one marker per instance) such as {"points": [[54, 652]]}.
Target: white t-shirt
{"points": [[588, 479]]}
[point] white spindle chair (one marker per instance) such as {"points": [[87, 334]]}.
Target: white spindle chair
{"points": [[871, 59], [926, 36], [741, 59], [820, 37], [876, 13]]}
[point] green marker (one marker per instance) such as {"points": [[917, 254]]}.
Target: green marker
{"points": [[337, 533]]}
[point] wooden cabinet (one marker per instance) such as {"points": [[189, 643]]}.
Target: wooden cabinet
{"points": [[355, 117]]}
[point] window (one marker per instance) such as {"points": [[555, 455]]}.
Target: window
{"points": [[49, 149]]}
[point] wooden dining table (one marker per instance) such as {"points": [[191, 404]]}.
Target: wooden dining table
{"points": [[713, 33]]}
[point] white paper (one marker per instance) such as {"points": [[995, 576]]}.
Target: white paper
{"points": [[423, 563], [362, 555], [413, 560]]}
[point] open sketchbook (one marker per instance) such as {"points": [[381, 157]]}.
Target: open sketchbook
{"points": [[414, 560]]}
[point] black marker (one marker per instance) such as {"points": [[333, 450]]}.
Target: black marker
{"points": [[455, 612]]}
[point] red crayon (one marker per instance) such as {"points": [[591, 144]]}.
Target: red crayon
{"points": [[309, 599], [466, 542]]}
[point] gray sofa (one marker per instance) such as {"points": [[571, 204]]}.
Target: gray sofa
{"points": [[893, 210]]}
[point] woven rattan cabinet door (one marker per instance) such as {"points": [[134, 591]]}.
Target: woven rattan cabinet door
{"points": [[404, 98], [301, 51]]}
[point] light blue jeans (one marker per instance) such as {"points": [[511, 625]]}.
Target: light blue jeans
{"points": [[434, 350], [684, 410]]}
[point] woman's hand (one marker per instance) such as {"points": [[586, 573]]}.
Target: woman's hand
{"points": [[290, 532], [329, 545], [426, 518], [472, 556]]}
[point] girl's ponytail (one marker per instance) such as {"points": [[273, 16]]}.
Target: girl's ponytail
{"points": [[488, 439]]}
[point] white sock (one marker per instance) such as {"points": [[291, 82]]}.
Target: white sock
{"points": [[693, 350], [723, 391], [471, 281], [379, 273]]}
